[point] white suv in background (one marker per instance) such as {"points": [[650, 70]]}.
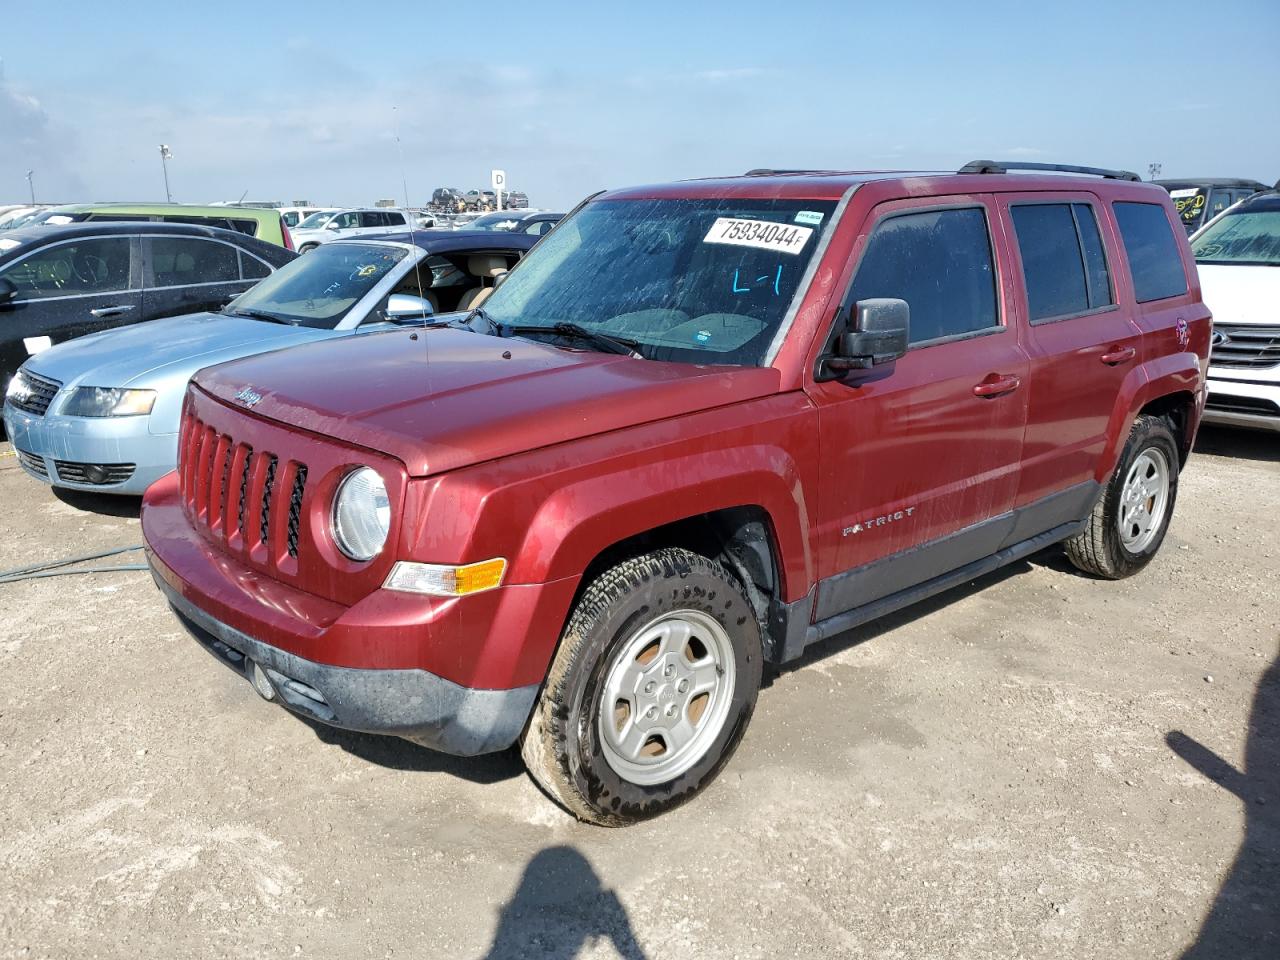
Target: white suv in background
{"points": [[1238, 256], [354, 222]]}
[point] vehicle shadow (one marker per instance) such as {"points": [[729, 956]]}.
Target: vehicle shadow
{"points": [[560, 907], [1243, 444], [103, 504], [397, 754], [892, 621], [1244, 921]]}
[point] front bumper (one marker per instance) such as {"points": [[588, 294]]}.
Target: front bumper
{"points": [[413, 704], [1254, 404], [78, 441]]}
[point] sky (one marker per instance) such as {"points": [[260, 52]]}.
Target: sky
{"points": [[349, 102]]}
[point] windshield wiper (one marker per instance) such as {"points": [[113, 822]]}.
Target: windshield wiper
{"points": [[574, 331], [262, 315]]}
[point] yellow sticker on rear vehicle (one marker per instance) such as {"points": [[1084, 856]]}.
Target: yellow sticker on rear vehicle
{"points": [[367, 271], [763, 234]]}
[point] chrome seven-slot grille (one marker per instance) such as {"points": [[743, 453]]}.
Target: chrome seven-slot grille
{"points": [[1241, 346], [39, 394], [234, 492]]}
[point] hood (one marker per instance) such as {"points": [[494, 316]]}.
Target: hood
{"points": [[1241, 294], [453, 398], [144, 354]]}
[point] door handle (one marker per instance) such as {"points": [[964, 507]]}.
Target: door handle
{"points": [[995, 385], [112, 311], [1115, 357]]}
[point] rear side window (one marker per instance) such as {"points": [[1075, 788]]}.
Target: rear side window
{"points": [[247, 227], [1152, 250], [1063, 263], [940, 263], [180, 261], [394, 219]]}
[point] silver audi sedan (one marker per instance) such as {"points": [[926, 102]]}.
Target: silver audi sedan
{"points": [[101, 413]]}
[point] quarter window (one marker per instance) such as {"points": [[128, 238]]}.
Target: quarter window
{"points": [[182, 261], [1063, 264], [100, 265], [940, 263], [1153, 253], [251, 268]]}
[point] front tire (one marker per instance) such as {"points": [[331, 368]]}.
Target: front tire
{"points": [[1130, 521], [650, 691]]}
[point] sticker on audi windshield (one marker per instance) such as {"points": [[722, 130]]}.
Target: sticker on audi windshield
{"points": [[765, 234]]}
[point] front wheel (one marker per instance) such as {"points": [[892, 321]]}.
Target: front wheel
{"points": [[1129, 522], [650, 691]]}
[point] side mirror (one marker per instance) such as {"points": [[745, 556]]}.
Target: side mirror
{"points": [[7, 290], [402, 307], [331, 225], [880, 334], [500, 278]]}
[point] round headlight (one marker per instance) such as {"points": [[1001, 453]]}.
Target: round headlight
{"points": [[361, 514]]}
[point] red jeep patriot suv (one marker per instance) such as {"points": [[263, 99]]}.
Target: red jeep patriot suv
{"points": [[700, 427]]}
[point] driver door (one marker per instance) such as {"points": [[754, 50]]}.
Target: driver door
{"points": [[68, 289]]}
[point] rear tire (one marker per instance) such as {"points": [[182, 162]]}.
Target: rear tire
{"points": [[650, 691], [1130, 520]]}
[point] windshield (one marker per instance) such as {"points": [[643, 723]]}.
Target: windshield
{"points": [[698, 281], [1250, 237], [316, 220], [318, 290], [503, 222]]}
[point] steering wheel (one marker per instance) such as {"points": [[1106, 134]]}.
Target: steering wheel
{"points": [[93, 265]]}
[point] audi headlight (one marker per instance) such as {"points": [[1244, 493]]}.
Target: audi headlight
{"points": [[108, 402], [361, 514]]}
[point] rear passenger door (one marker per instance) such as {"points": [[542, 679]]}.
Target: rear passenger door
{"points": [[1081, 346], [919, 460], [191, 274], [66, 290]]}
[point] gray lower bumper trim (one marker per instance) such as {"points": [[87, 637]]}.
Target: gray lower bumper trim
{"points": [[413, 704]]}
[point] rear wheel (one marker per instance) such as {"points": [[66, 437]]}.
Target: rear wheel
{"points": [[650, 691], [1129, 522], [307, 247]]}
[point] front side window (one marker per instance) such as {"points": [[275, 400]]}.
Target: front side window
{"points": [[1153, 254], [940, 263], [690, 280], [1248, 237], [181, 261], [78, 268], [345, 221], [1063, 264], [318, 290]]}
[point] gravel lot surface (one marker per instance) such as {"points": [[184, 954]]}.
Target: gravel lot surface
{"points": [[1035, 765]]}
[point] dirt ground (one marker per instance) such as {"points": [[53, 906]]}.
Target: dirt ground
{"points": [[1034, 765]]}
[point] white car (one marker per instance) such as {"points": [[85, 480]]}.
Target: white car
{"points": [[348, 223], [10, 219], [1238, 257]]}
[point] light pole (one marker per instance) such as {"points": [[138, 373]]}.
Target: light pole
{"points": [[1153, 170], [165, 156], [31, 186]]}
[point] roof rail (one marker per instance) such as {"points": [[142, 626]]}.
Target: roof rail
{"points": [[768, 172], [1004, 166]]}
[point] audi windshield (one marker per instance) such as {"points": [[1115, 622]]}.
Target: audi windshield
{"points": [[698, 281]]}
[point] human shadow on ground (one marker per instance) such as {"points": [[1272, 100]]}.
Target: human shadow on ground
{"points": [[559, 907], [1244, 921], [395, 753]]}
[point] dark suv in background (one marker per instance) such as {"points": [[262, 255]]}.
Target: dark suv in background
{"points": [[1200, 200], [62, 282]]}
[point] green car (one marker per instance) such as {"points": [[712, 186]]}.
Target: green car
{"points": [[263, 224]]}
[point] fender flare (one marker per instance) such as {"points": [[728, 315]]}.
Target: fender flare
{"points": [[579, 521], [1159, 377]]}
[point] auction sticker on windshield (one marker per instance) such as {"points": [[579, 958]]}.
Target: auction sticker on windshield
{"points": [[764, 234]]}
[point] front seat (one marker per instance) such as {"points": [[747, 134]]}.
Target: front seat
{"points": [[481, 265]]}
